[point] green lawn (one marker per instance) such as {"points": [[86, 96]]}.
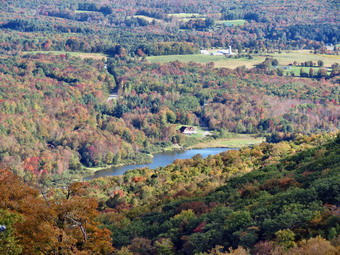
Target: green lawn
{"points": [[199, 130], [75, 54]]}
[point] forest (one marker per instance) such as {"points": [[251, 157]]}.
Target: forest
{"points": [[139, 27], [270, 199], [83, 88], [56, 116]]}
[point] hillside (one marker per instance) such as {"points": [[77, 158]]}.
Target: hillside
{"points": [[267, 199], [56, 116], [289, 192]]}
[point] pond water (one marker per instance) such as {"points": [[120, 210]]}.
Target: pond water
{"points": [[160, 159]]}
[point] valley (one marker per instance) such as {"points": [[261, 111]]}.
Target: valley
{"points": [[197, 127]]}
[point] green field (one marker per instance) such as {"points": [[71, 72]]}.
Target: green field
{"points": [[188, 19], [236, 22], [186, 15], [74, 54], [284, 58], [238, 141], [296, 70], [149, 19], [81, 11], [204, 139], [219, 61]]}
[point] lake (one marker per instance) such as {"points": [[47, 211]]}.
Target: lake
{"points": [[160, 159]]}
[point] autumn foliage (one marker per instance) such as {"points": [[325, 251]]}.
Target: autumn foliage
{"points": [[52, 224]]}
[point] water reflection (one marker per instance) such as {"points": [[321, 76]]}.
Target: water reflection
{"points": [[160, 159]]}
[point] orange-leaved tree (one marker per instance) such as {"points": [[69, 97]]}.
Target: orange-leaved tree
{"points": [[53, 225]]}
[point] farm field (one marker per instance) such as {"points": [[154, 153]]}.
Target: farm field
{"points": [[148, 19], [74, 54], [236, 22], [284, 58], [218, 23], [296, 70], [235, 142], [188, 19], [82, 11], [219, 61], [186, 15]]}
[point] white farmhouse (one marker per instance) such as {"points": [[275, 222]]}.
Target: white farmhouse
{"points": [[204, 52]]}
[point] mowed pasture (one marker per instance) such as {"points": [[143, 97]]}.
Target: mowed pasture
{"points": [[284, 58], [186, 15], [148, 19], [219, 61], [83, 11], [236, 22], [296, 70], [83, 55], [238, 141]]}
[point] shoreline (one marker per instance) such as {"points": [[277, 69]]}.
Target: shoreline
{"points": [[174, 147], [236, 142], [96, 169]]}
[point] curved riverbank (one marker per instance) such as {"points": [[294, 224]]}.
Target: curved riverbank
{"points": [[159, 160], [241, 140]]}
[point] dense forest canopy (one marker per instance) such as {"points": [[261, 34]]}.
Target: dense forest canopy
{"points": [[269, 25], [266, 199], [56, 115], [281, 194]]}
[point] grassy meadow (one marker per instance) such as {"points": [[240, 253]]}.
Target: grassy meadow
{"points": [[299, 56], [73, 54], [219, 61], [148, 19], [284, 58], [203, 139], [236, 22], [186, 15], [82, 11], [296, 70], [240, 140]]}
